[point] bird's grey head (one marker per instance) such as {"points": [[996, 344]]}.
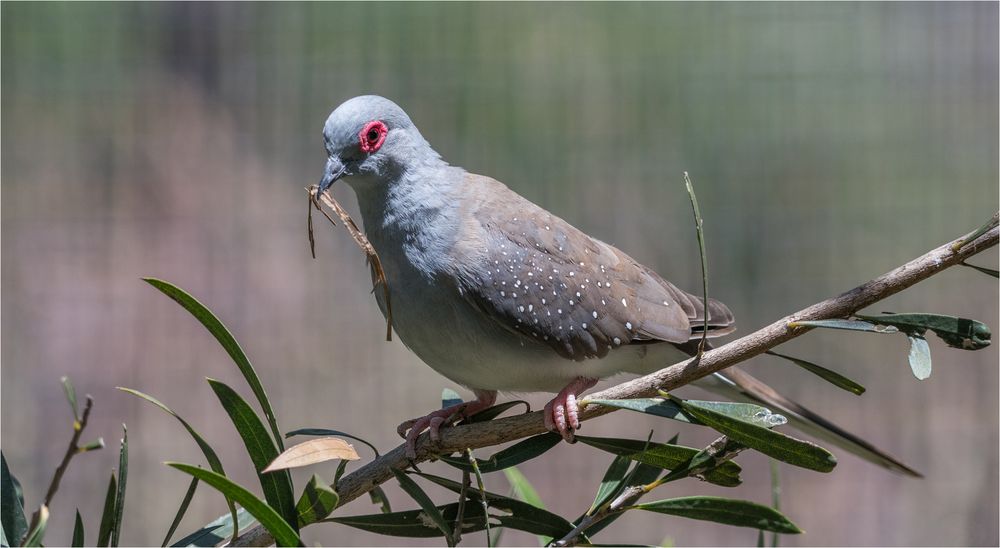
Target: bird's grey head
{"points": [[370, 139]]}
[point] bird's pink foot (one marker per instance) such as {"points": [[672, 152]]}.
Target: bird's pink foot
{"points": [[411, 429], [562, 414]]}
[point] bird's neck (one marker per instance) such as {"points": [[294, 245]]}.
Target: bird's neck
{"points": [[412, 217]]}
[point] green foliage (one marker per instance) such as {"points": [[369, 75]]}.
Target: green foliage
{"points": [[523, 490], [317, 501], [284, 534], [116, 528], [961, 333], [741, 513], [521, 451], [664, 456], [828, 375], [743, 425], [414, 523], [36, 535], [219, 530], [210, 455], [15, 526], [78, 535], [515, 514], [228, 342], [181, 510], [774, 444], [277, 485], [431, 511], [71, 398], [108, 515]]}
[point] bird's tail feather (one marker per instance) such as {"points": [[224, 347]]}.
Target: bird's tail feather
{"points": [[737, 384]]}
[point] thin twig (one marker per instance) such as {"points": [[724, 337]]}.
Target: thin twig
{"points": [[509, 429], [71, 450], [482, 493], [378, 275], [456, 536]]}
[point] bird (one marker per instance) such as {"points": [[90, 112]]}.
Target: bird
{"points": [[499, 295]]}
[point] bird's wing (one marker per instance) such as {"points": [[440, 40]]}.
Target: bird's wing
{"points": [[539, 276]]}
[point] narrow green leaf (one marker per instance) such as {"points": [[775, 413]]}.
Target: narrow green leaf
{"points": [[38, 533], [192, 487], [771, 443], [421, 498], [828, 375], [660, 407], [71, 398], [775, 495], [377, 496], [521, 451], [317, 501], [108, 514], [522, 489], [283, 533], [414, 523], [495, 411], [78, 539], [749, 413], [228, 342], [983, 269], [213, 459], [92, 446], [741, 513], [277, 486], [664, 456], [219, 530], [517, 514], [341, 468], [328, 432], [972, 237], [961, 333], [850, 325], [15, 526], [116, 529], [612, 482], [449, 398], [700, 233], [920, 357]]}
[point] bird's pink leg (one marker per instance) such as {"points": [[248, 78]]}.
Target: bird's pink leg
{"points": [[562, 414], [412, 428]]}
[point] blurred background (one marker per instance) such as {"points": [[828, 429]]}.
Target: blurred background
{"points": [[828, 142]]}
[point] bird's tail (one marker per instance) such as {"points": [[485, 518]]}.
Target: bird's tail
{"points": [[734, 383]]}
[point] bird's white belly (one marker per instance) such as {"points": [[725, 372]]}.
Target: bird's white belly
{"points": [[471, 349]]}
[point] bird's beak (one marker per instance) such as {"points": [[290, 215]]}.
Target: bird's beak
{"points": [[335, 169]]}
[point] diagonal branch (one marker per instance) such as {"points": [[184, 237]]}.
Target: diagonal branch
{"points": [[510, 429]]}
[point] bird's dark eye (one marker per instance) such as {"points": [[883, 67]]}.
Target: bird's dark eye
{"points": [[372, 136]]}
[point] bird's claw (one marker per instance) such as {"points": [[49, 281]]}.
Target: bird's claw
{"points": [[562, 414], [410, 430]]}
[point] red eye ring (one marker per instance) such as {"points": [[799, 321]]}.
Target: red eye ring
{"points": [[372, 136]]}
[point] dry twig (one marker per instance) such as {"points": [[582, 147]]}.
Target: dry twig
{"points": [[378, 275]]}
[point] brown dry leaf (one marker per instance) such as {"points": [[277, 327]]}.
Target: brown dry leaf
{"points": [[378, 275], [312, 452]]}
